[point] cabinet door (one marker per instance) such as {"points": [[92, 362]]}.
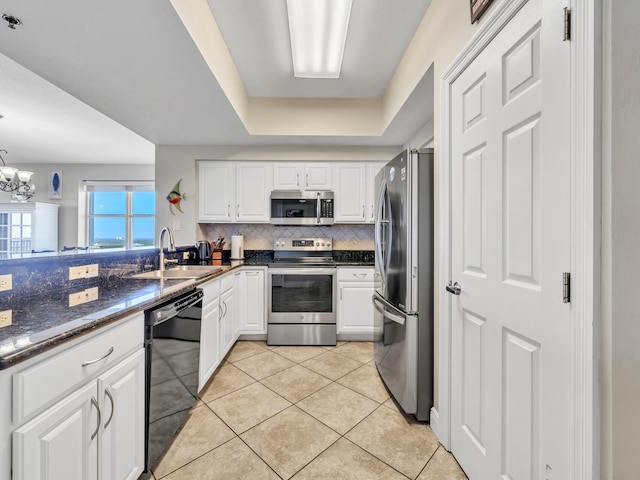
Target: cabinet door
{"points": [[216, 192], [254, 320], [227, 322], [372, 170], [355, 310], [253, 189], [317, 176], [349, 184], [122, 400], [287, 176], [209, 335], [58, 443]]}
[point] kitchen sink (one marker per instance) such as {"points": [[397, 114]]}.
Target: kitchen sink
{"points": [[180, 271]]}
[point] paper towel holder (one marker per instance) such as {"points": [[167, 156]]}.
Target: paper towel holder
{"points": [[237, 247]]}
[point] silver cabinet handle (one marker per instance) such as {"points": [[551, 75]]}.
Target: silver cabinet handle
{"points": [[95, 403], [91, 362], [363, 212], [225, 309], [297, 179], [228, 210], [373, 211], [359, 275], [252, 274], [456, 288], [238, 211], [307, 179], [113, 407]]}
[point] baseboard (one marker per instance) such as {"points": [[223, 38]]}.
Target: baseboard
{"points": [[355, 337], [434, 421], [253, 336]]}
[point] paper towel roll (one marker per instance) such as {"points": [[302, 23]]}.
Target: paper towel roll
{"points": [[237, 247]]}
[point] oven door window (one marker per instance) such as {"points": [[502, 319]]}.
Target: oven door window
{"points": [[293, 208], [301, 293]]}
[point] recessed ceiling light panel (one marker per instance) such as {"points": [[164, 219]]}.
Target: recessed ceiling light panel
{"points": [[318, 32]]}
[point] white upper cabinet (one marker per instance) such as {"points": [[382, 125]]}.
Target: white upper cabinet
{"points": [[287, 176], [317, 176], [371, 195], [253, 188], [350, 192], [216, 192], [230, 192], [302, 176]]}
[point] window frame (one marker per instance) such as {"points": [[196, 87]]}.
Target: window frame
{"points": [[129, 187]]}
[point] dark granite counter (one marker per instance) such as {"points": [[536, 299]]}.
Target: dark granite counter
{"points": [[39, 299], [45, 320]]}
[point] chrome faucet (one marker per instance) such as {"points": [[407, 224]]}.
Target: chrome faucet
{"points": [[172, 247]]}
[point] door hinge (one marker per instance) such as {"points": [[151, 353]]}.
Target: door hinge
{"points": [[566, 287], [567, 24]]}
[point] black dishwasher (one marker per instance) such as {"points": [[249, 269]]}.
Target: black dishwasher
{"points": [[172, 350]]}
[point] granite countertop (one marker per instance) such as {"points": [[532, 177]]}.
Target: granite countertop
{"points": [[42, 322]]}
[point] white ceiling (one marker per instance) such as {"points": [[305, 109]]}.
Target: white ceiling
{"points": [[103, 82]]}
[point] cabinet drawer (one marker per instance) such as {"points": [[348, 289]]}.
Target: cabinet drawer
{"points": [[355, 274], [44, 382]]}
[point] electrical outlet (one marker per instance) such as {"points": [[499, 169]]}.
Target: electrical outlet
{"points": [[6, 282], [77, 272], [88, 295], [177, 225], [92, 270], [185, 255], [5, 318], [83, 271]]}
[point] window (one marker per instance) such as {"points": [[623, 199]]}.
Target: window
{"points": [[119, 214], [15, 233]]}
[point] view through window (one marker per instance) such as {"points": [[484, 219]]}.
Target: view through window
{"points": [[120, 215]]}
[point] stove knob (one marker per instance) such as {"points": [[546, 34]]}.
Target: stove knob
{"points": [[328, 244], [323, 244], [317, 244], [277, 244]]}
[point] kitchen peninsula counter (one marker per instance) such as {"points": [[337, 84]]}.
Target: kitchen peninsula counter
{"points": [[44, 321]]}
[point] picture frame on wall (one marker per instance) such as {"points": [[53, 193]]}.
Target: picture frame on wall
{"points": [[55, 184], [478, 7]]}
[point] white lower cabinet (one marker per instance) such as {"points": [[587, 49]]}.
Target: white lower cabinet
{"points": [[96, 432], [251, 301], [227, 321], [355, 308], [209, 343]]}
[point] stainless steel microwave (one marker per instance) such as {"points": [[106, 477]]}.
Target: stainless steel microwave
{"points": [[301, 208]]}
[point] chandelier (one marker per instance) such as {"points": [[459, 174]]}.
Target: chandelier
{"points": [[16, 182]]}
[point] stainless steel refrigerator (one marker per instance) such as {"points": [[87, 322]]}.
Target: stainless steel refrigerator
{"points": [[403, 298]]}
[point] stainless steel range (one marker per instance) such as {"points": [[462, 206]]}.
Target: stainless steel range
{"points": [[302, 292]]}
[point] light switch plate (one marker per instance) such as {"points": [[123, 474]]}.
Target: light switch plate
{"points": [[5, 318], [6, 282], [92, 270]]}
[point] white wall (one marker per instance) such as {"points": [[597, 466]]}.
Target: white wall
{"points": [[72, 176], [621, 252]]}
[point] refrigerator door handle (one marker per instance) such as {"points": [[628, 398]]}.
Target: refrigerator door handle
{"points": [[380, 305]]}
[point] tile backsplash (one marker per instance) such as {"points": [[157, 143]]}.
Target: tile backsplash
{"points": [[261, 236]]}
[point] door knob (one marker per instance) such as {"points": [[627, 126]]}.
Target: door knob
{"points": [[456, 288]]}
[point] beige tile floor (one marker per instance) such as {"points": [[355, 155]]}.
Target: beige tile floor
{"points": [[302, 413]]}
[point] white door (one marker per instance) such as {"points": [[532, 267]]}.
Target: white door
{"points": [[122, 396], [216, 192], [510, 234], [253, 189], [62, 442], [350, 189]]}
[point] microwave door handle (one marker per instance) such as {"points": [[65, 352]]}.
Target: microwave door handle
{"points": [[318, 207]]}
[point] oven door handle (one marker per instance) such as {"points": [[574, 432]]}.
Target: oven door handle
{"points": [[380, 305], [302, 271]]}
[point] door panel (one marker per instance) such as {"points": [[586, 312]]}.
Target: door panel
{"points": [[510, 238]]}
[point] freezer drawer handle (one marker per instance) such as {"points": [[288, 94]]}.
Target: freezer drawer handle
{"points": [[391, 316], [456, 288]]}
